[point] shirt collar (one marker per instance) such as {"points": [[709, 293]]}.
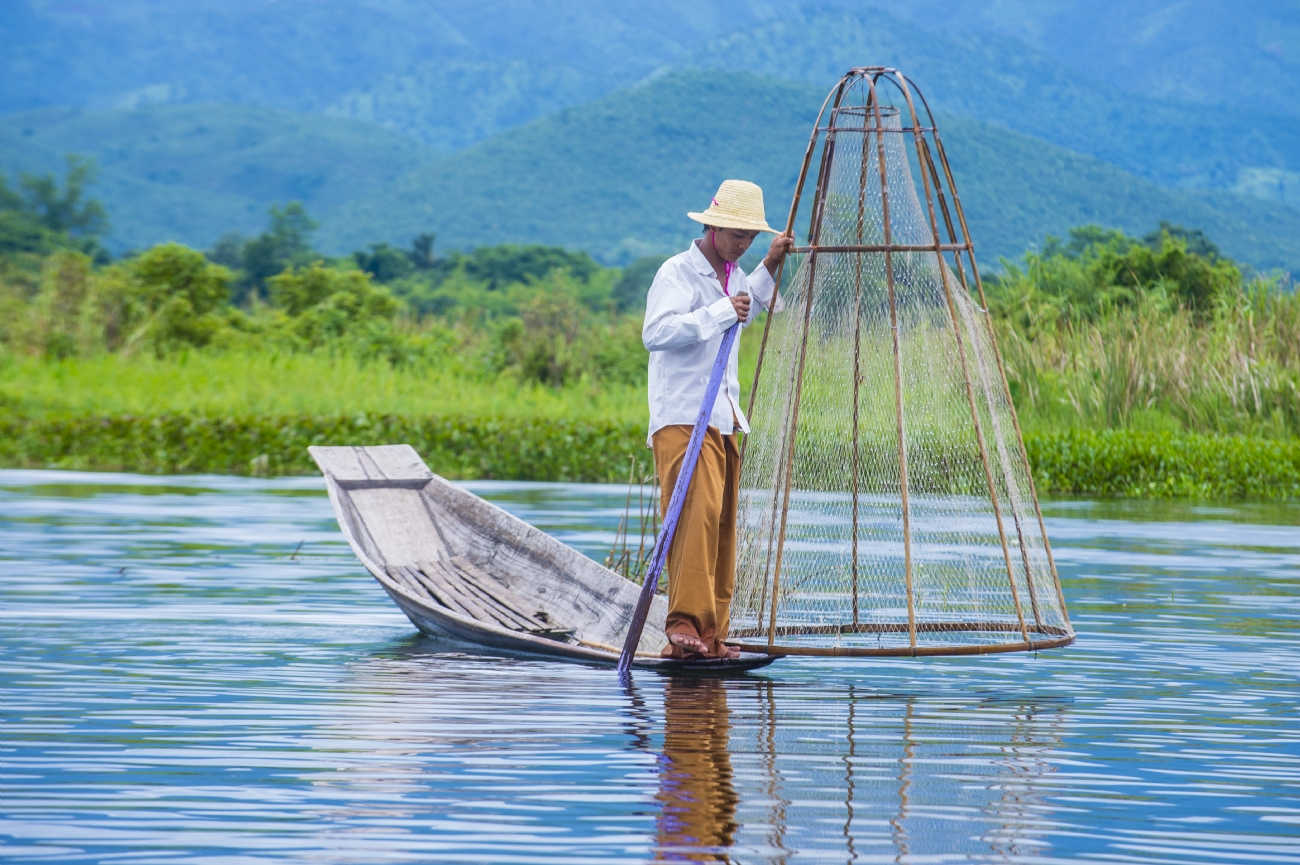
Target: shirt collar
{"points": [[699, 262]]}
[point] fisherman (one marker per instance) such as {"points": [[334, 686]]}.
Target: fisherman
{"points": [[696, 296]]}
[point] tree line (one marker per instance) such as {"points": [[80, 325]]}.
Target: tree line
{"points": [[541, 313], [1160, 331]]}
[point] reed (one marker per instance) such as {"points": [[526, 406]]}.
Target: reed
{"points": [[1233, 371]]}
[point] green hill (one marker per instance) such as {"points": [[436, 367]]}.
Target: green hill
{"points": [[314, 56], [192, 172], [1169, 90], [989, 73], [615, 177], [612, 176], [1171, 49], [1000, 80]]}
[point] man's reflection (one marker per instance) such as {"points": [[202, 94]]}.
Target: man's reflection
{"points": [[698, 819]]}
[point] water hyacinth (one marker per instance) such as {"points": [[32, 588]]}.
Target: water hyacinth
{"points": [[1075, 462]]}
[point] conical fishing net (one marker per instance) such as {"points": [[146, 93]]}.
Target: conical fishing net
{"points": [[886, 503]]}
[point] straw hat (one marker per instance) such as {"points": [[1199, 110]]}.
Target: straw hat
{"points": [[738, 204]]}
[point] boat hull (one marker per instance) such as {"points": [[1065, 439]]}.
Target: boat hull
{"points": [[398, 516]]}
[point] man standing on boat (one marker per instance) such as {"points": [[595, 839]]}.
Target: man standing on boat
{"points": [[695, 297]]}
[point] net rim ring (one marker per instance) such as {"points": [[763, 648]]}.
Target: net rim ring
{"points": [[906, 651]]}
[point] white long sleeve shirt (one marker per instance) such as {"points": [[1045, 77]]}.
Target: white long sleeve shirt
{"points": [[686, 315]]}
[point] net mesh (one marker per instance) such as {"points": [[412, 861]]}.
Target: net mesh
{"points": [[865, 402]]}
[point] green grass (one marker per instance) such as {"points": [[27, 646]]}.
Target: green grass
{"points": [[257, 414], [288, 385], [1232, 370]]}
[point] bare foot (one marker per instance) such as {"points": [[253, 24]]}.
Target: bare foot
{"points": [[689, 643], [733, 652]]}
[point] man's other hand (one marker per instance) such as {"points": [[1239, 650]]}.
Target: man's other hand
{"points": [[741, 303]]}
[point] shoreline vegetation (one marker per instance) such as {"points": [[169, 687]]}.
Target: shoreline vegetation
{"points": [[1106, 463], [1150, 367]]}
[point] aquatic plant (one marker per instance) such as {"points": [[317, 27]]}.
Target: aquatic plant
{"points": [[456, 447], [1073, 462]]}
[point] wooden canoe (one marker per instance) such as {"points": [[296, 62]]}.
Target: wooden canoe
{"points": [[462, 569]]}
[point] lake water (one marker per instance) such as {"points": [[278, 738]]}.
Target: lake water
{"points": [[197, 670]]}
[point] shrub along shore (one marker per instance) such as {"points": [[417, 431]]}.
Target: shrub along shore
{"points": [[1076, 462], [1139, 366]]}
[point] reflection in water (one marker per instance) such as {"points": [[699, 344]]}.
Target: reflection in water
{"points": [[849, 756], [745, 764], [742, 770], [697, 820], [776, 821], [898, 822], [1035, 732], [180, 682]]}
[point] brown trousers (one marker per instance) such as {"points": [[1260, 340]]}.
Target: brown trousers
{"points": [[702, 560]]}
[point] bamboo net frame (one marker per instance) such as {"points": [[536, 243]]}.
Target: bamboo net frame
{"points": [[887, 504]]}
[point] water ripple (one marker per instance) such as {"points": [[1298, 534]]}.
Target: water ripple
{"points": [[197, 670]]}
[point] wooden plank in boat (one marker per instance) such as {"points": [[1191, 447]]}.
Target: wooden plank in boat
{"points": [[441, 596], [538, 622], [497, 590], [382, 466], [427, 589], [403, 579], [398, 523], [437, 578], [488, 601], [509, 617], [481, 608]]}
